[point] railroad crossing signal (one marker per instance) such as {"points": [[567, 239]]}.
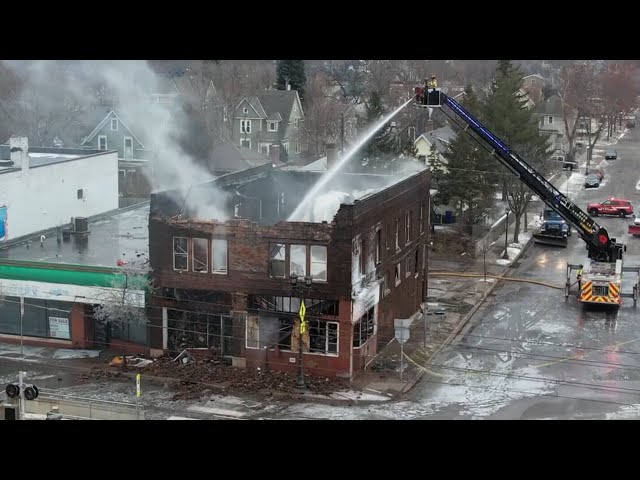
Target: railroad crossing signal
{"points": [[301, 312]]}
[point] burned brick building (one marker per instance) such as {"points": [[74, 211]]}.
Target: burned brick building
{"points": [[231, 279]]}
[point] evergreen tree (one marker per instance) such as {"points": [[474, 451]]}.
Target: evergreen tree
{"points": [[292, 71], [461, 177], [382, 146], [506, 116]]}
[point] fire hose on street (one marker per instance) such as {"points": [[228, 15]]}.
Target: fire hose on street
{"points": [[498, 277]]}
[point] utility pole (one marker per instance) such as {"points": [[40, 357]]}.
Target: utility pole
{"points": [[21, 399]]}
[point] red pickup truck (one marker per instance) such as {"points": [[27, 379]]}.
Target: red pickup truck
{"points": [[612, 206]]}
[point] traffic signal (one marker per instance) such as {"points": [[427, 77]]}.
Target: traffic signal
{"points": [[30, 391]]}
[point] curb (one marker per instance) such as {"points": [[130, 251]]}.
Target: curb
{"points": [[465, 320]]}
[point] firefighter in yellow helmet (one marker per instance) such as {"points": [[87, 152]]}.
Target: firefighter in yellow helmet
{"points": [[432, 83]]}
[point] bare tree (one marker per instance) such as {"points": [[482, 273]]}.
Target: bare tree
{"points": [[518, 193], [571, 93], [619, 92], [124, 303], [327, 116], [39, 105]]}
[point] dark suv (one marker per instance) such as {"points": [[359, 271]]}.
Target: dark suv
{"points": [[611, 155], [612, 206]]}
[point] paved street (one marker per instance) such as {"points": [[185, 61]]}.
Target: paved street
{"points": [[530, 354]]}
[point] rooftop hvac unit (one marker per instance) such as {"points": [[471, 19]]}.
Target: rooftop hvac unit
{"points": [[81, 225]]}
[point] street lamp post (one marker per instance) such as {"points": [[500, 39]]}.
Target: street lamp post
{"points": [[300, 288], [505, 256]]}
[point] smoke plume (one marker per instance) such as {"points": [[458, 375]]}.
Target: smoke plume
{"points": [[71, 87]]}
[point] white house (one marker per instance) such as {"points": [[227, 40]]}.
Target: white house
{"points": [[439, 138]]}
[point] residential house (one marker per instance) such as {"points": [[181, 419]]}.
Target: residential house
{"points": [[236, 287], [165, 91], [533, 85], [551, 121], [273, 118], [439, 138], [112, 131]]}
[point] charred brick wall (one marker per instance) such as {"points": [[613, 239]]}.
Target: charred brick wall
{"points": [[380, 212], [249, 259]]}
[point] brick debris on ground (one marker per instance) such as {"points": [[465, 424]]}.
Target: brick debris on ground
{"points": [[205, 374]]}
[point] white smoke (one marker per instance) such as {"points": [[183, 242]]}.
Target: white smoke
{"points": [[132, 82], [324, 207]]}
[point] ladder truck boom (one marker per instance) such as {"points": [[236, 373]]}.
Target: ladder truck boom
{"points": [[600, 246]]}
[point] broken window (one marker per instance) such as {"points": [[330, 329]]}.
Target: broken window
{"points": [[200, 255], [397, 234], [284, 337], [378, 245], [319, 263], [384, 286], [219, 256], [283, 304], [417, 263], [407, 266], [363, 256], [276, 260], [323, 337], [253, 332], [407, 227], [421, 217], [180, 253], [398, 278], [364, 328], [298, 260]]}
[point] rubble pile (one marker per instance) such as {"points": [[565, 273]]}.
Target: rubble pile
{"points": [[202, 374], [98, 373]]}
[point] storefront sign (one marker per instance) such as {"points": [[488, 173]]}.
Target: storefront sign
{"points": [[59, 327]]}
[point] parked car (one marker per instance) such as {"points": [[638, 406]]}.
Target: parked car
{"points": [[592, 181], [611, 155], [612, 206], [598, 172]]}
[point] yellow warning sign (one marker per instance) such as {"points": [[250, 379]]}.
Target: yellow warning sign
{"points": [[301, 312]]}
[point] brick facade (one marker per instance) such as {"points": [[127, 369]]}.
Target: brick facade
{"points": [[256, 293]]}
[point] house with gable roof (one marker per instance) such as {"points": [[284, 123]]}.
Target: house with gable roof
{"points": [[272, 119], [112, 131]]}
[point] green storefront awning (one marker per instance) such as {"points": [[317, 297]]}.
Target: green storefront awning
{"points": [[68, 274]]}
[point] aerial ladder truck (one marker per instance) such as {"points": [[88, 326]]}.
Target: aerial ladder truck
{"points": [[601, 280]]}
